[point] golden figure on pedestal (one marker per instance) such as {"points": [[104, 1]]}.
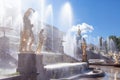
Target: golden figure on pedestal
{"points": [[41, 41], [26, 35], [116, 58], [84, 53]]}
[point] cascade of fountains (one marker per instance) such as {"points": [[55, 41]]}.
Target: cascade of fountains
{"points": [[41, 16], [15, 17], [108, 45], [46, 13], [11, 16]]}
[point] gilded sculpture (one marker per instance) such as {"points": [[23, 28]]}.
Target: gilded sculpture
{"points": [[116, 58], [41, 41], [84, 53], [26, 35]]}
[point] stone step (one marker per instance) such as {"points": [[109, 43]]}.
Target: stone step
{"points": [[61, 70], [53, 58], [90, 73]]}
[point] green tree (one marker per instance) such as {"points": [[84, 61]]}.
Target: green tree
{"points": [[116, 40]]}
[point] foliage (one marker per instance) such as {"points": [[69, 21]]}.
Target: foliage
{"points": [[116, 40]]}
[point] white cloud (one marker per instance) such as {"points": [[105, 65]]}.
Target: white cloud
{"points": [[84, 27], [85, 36]]}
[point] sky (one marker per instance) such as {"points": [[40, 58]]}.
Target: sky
{"points": [[96, 17], [103, 15]]}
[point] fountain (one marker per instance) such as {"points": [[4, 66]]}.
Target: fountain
{"points": [[29, 63], [108, 52], [66, 17], [103, 45], [78, 44], [8, 59], [49, 13], [112, 46], [32, 60]]}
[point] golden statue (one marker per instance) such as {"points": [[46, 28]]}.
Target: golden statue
{"points": [[116, 57], [41, 41], [84, 53], [26, 35]]}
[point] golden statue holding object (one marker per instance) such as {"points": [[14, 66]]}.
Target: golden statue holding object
{"points": [[41, 41], [26, 35], [84, 53]]}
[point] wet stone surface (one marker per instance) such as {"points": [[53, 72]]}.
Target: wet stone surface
{"points": [[111, 73]]}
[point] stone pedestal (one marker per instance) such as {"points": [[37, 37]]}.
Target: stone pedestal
{"points": [[42, 75], [30, 66], [84, 58]]}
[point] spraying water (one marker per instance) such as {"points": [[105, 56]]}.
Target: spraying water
{"points": [[112, 46], [10, 19], [49, 17], [66, 17]]}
